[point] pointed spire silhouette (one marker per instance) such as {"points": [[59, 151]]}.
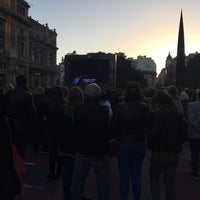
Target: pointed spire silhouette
{"points": [[180, 59]]}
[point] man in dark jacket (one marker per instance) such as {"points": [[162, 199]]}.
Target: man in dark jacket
{"points": [[92, 136], [22, 113]]}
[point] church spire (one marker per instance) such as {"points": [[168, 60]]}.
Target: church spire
{"points": [[180, 59]]}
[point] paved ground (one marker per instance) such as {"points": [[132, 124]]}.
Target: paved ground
{"points": [[37, 187]]}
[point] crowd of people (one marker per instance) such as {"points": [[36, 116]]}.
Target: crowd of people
{"points": [[75, 127]]}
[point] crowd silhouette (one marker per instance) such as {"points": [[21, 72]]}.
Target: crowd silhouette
{"points": [[74, 127]]}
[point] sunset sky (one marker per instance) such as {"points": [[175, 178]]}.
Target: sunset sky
{"points": [[134, 27]]}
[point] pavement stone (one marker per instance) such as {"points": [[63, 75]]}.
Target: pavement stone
{"points": [[186, 187]]}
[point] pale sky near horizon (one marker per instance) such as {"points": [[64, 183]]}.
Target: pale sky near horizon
{"points": [[134, 27]]}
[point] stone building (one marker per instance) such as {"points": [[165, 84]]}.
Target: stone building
{"points": [[167, 74], [148, 67], [192, 67], [26, 46]]}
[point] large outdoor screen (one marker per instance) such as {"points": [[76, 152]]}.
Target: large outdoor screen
{"points": [[89, 70]]}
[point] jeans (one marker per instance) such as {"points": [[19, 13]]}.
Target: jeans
{"points": [[130, 157], [55, 162], [83, 164], [165, 162], [68, 169], [195, 150]]}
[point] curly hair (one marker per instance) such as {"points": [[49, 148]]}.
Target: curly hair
{"points": [[164, 100]]}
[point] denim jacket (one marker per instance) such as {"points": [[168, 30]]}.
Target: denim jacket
{"points": [[194, 119]]}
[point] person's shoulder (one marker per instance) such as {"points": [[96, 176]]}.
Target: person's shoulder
{"points": [[103, 106], [193, 104], [196, 103], [107, 103], [143, 104], [28, 94]]}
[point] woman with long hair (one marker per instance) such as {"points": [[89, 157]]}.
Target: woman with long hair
{"points": [[165, 141], [129, 126]]}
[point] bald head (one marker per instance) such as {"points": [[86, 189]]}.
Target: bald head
{"points": [[92, 90]]}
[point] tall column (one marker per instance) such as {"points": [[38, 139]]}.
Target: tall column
{"points": [[180, 59]]}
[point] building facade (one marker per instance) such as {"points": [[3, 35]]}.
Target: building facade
{"points": [[192, 67], [26, 46], [162, 77], [62, 73], [148, 67]]}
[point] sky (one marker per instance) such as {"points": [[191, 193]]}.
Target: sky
{"points": [[134, 27]]}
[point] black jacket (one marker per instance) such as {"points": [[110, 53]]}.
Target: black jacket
{"points": [[67, 136], [55, 122], [168, 131], [21, 107], [22, 114], [131, 121], [92, 128]]}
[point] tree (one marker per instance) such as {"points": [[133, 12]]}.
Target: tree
{"points": [[126, 73]]}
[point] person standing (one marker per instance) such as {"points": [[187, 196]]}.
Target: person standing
{"points": [[165, 140], [21, 112], [53, 125], [39, 134], [92, 129], [67, 139], [194, 134], [129, 127]]}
